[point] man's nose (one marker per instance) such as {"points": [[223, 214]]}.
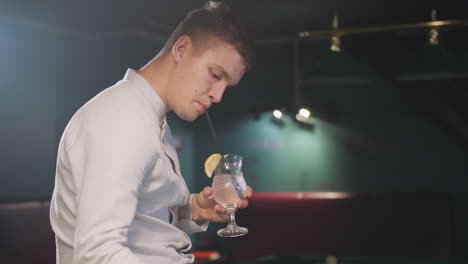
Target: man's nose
{"points": [[216, 93]]}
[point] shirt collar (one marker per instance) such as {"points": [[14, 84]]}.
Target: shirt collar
{"points": [[158, 106]]}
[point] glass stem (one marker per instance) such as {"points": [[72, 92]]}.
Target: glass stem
{"points": [[232, 217]]}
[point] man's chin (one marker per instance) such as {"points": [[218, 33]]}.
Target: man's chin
{"points": [[189, 118]]}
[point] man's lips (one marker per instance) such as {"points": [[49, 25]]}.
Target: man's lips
{"points": [[204, 106]]}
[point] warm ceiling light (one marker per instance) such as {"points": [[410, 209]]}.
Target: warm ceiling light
{"points": [[304, 113], [335, 39], [335, 44], [277, 114], [434, 31]]}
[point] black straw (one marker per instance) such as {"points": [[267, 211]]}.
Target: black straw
{"points": [[219, 147]]}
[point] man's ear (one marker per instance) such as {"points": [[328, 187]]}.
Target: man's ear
{"points": [[180, 48]]}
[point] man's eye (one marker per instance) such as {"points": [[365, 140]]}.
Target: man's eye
{"points": [[217, 77]]}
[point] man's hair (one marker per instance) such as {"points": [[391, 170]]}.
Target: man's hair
{"points": [[214, 21]]}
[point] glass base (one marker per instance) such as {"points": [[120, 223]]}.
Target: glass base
{"points": [[232, 231]]}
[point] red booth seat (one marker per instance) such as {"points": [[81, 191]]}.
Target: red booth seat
{"points": [[345, 224]]}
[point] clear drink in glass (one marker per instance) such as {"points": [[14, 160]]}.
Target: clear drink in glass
{"points": [[228, 188]]}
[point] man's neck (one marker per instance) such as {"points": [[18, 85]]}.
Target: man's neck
{"points": [[156, 73]]}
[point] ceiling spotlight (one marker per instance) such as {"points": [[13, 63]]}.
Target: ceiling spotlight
{"points": [[300, 118], [335, 39], [434, 31], [303, 120], [277, 114], [304, 34], [304, 113]]}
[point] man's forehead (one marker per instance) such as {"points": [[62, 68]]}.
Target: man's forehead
{"points": [[213, 43]]}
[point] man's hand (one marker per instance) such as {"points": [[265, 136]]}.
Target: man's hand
{"points": [[204, 206]]}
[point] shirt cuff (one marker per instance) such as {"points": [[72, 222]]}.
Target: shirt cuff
{"points": [[186, 223]]}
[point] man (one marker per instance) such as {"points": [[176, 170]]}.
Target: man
{"points": [[119, 196]]}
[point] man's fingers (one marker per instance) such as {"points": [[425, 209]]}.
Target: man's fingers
{"points": [[221, 213], [223, 217], [207, 192], [242, 204], [205, 198], [220, 210], [216, 212], [248, 192]]}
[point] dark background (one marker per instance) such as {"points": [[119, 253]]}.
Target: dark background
{"points": [[373, 129]]}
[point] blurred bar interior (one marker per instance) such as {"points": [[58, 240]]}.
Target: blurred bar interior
{"points": [[353, 123]]}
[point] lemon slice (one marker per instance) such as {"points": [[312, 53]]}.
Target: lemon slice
{"points": [[210, 164]]}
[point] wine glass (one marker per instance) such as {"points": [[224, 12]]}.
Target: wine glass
{"points": [[228, 188]]}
